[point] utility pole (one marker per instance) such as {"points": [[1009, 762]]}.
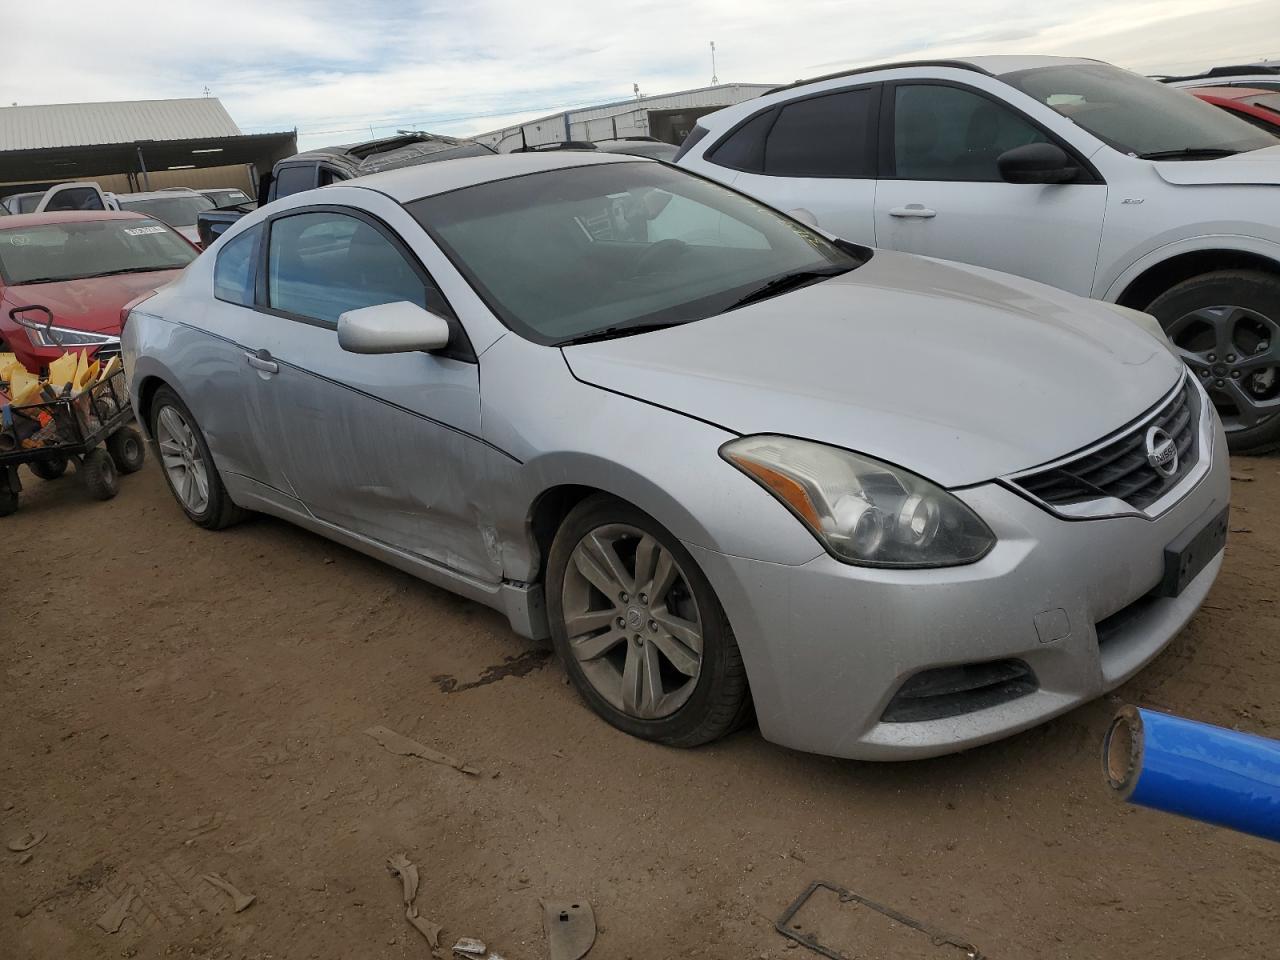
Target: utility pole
{"points": [[636, 88], [714, 79], [206, 91]]}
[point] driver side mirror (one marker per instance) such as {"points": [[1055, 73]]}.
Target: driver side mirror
{"points": [[399, 327], [1037, 163]]}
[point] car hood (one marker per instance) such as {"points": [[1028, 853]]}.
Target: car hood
{"points": [[958, 373], [1255, 167], [92, 304]]}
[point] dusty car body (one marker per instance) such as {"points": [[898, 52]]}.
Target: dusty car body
{"points": [[896, 570]]}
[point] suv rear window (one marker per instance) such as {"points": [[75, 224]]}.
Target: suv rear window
{"points": [[744, 148], [294, 179], [832, 135]]}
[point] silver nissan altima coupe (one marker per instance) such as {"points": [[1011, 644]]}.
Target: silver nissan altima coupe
{"points": [[899, 507]]}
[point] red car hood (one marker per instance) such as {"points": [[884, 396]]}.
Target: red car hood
{"points": [[93, 304]]}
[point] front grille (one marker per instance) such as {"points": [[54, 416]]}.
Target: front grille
{"points": [[1119, 469], [953, 691]]}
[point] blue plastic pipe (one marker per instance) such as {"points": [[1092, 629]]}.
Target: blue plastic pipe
{"points": [[1195, 770]]}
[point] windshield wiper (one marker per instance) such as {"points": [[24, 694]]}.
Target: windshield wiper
{"points": [[621, 330], [786, 282], [23, 283], [122, 270], [1189, 153]]}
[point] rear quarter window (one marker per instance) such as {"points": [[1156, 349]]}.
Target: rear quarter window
{"points": [[235, 272]]}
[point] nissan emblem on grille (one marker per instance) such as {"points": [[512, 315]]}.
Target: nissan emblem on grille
{"points": [[1162, 452]]}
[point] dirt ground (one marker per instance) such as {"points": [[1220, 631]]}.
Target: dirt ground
{"points": [[180, 703]]}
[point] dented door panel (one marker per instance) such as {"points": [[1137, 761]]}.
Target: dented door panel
{"points": [[385, 446]]}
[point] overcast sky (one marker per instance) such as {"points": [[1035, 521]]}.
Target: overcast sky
{"points": [[337, 70]]}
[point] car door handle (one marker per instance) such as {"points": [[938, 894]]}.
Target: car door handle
{"points": [[913, 211], [262, 361]]}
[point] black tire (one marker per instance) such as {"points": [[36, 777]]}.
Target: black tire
{"points": [[219, 512], [8, 492], [1248, 323], [127, 449], [99, 474], [49, 469], [720, 701]]}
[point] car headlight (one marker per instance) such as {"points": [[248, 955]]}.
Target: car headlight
{"points": [[862, 510], [46, 335]]}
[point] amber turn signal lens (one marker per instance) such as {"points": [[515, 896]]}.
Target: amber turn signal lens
{"points": [[788, 491]]}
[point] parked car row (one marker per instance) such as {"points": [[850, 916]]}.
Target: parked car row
{"points": [[714, 430], [176, 206]]}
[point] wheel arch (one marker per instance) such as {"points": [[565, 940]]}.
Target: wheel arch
{"points": [[547, 514], [147, 387], [698, 499], [146, 377], [554, 503], [1145, 281]]}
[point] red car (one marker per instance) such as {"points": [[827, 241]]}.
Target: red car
{"points": [[1259, 107], [64, 278]]}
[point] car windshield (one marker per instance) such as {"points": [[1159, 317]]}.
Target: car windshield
{"points": [[49, 252], [24, 202], [175, 211], [590, 249], [1137, 115], [224, 198]]}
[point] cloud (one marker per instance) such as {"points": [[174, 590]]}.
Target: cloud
{"points": [[341, 72]]}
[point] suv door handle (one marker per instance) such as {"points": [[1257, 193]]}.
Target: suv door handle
{"points": [[262, 361], [913, 211]]}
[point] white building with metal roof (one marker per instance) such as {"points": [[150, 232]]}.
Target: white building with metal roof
{"points": [[128, 141], [668, 117]]}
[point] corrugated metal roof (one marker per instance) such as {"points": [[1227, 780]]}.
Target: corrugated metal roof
{"points": [[699, 96], [85, 124], [724, 94]]}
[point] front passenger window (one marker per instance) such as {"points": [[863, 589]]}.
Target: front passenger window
{"points": [[947, 133], [321, 265]]}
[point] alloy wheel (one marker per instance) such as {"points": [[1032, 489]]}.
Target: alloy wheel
{"points": [[632, 622], [1235, 352], [182, 459]]}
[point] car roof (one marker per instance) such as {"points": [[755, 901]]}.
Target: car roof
{"points": [[995, 65], [1232, 93], [1240, 80], [430, 179], [67, 216], [158, 194]]}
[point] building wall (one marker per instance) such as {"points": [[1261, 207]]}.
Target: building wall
{"points": [[630, 116], [234, 176], [230, 176]]}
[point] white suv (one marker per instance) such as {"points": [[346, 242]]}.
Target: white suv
{"points": [[1072, 172]]}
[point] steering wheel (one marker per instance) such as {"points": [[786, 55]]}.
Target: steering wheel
{"points": [[661, 254]]}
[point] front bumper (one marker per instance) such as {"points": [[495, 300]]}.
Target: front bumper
{"points": [[827, 645], [37, 359]]}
